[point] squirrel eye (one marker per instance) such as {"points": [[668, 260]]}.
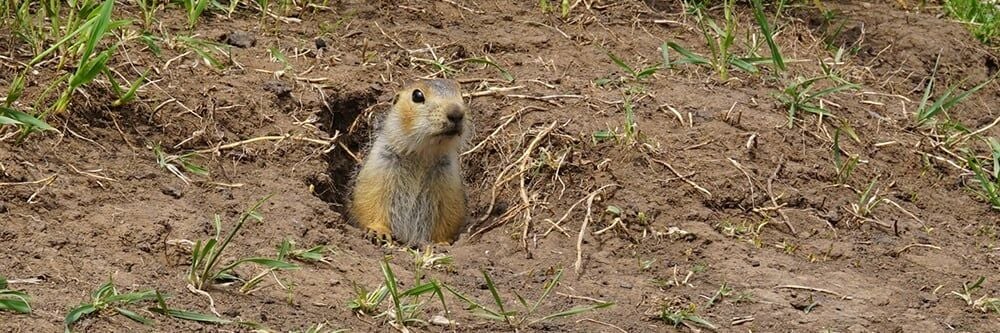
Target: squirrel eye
{"points": [[418, 96]]}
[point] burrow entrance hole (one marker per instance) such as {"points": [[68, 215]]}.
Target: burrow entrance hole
{"points": [[345, 115]]}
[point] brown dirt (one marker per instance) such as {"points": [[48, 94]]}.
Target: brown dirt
{"points": [[76, 231]]}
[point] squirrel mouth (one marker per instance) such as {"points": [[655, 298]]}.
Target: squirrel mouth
{"points": [[451, 131]]}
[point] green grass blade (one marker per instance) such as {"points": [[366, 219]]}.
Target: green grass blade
{"points": [[131, 297], [496, 295], [14, 301], [549, 286], [74, 315], [815, 110], [765, 29], [133, 88], [621, 64], [90, 69], [961, 97], [8, 121], [161, 308], [832, 90], [473, 305], [665, 54], [134, 316], [192, 316], [15, 305], [995, 155], [392, 284], [25, 118], [266, 262], [97, 30], [689, 57], [15, 90], [649, 71], [574, 311], [743, 65], [419, 290]]}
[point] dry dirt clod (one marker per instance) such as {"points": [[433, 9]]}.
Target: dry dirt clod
{"points": [[278, 88], [173, 192], [240, 39]]}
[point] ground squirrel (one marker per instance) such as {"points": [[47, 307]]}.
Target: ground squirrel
{"points": [[410, 185]]}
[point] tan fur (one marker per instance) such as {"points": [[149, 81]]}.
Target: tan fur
{"points": [[410, 186]]}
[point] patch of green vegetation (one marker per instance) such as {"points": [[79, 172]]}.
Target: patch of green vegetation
{"points": [[205, 257], [76, 38], [106, 298], [987, 173], [629, 133], [842, 161], [13, 300], [526, 317], [982, 17], [947, 100], [720, 40], [406, 304], [984, 303], [687, 317], [162, 308], [802, 96], [547, 6], [747, 230]]}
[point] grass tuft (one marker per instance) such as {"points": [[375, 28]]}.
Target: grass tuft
{"points": [[205, 257], [982, 17], [107, 297], [526, 317], [800, 96], [988, 180]]}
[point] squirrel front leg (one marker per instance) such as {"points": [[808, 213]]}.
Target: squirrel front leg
{"points": [[370, 205]]}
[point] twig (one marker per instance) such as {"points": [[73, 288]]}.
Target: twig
{"points": [[681, 177], [585, 298], [753, 196], [27, 281], [500, 177], [583, 227], [563, 218], [211, 302], [510, 118], [463, 7], [904, 211], [929, 246], [820, 290], [602, 323], [43, 180], [265, 138], [491, 91]]}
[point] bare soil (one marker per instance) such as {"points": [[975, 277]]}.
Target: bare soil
{"points": [[768, 222]]}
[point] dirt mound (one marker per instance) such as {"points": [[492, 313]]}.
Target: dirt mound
{"points": [[706, 206]]}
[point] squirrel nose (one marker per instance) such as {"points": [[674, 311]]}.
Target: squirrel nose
{"points": [[455, 116]]}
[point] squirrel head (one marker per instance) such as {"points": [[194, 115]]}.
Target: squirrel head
{"points": [[428, 116]]}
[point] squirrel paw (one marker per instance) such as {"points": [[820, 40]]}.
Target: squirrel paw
{"points": [[378, 237]]}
